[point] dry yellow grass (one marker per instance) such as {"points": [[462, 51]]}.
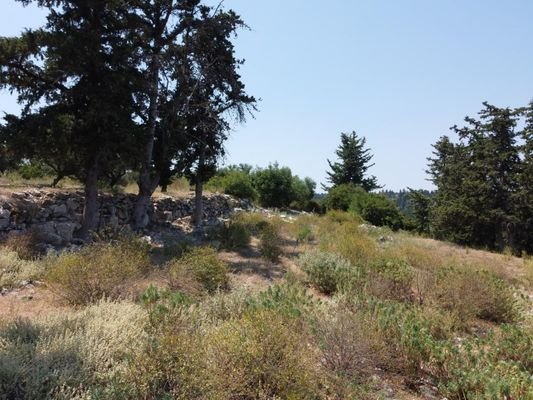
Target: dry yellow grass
{"points": [[430, 254]]}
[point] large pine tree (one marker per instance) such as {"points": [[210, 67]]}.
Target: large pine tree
{"points": [[74, 80], [483, 182], [353, 163]]}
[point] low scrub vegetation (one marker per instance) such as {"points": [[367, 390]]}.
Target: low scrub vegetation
{"points": [[326, 271], [14, 270], [199, 267], [397, 308], [70, 355], [270, 242], [235, 235], [25, 245], [100, 270], [473, 294]]}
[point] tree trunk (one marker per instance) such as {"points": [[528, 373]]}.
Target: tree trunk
{"points": [[198, 192], [90, 209], [147, 186], [56, 180], [148, 179]]}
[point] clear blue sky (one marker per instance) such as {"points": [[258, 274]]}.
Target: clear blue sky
{"points": [[399, 73]]}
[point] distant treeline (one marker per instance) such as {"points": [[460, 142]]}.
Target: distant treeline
{"points": [[403, 200]]}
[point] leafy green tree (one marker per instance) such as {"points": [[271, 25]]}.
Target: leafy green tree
{"points": [[274, 186], [220, 94], [353, 164], [303, 192], [159, 27]]}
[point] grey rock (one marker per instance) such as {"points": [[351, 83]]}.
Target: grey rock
{"points": [[60, 210], [66, 230], [19, 195], [113, 220], [4, 213], [4, 223], [46, 233], [72, 205], [43, 214]]}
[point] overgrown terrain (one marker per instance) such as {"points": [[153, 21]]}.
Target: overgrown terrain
{"points": [[136, 299], [267, 308]]}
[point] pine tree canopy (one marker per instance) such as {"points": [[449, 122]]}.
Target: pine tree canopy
{"points": [[484, 181], [353, 163]]}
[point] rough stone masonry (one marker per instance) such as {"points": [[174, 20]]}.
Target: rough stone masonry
{"points": [[55, 217]]}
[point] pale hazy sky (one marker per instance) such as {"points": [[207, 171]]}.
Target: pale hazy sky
{"points": [[399, 72]]}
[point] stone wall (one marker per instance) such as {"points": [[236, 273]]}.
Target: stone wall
{"points": [[55, 217]]}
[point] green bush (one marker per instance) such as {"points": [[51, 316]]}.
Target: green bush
{"points": [[202, 266], [326, 271], [24, 244], [407, 334], [230, 345], [161, 304], [389, 279], [416, 342], [348, 341], [270, 242], [373, 208], [34, 170], [253, 222], [495, 367], [378, 210], [304, 234], [173, 248], [98, 270], [340, 197], [235, 236], [340, 233], [171, 366], [234, 182], [287, 299]]}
